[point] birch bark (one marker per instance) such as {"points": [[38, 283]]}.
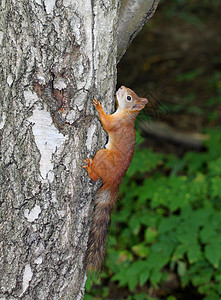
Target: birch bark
{"points": [[56, 56]]}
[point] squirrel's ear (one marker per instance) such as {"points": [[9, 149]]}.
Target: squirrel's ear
{"points": [[139, 105]]}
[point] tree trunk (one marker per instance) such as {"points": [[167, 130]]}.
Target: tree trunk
{"points": [[56, 56]]}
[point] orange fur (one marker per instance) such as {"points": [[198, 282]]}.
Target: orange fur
{"points": [[110, 165]]}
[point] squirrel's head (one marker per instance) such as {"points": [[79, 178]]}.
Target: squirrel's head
{"points": [[128, 100]]}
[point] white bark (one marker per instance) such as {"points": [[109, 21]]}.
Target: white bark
{"points": [[55, 57]]}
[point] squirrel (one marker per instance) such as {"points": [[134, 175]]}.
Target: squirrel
{"points": [[110, 165]]}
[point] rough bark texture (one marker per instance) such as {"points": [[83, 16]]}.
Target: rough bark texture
{"points": [[55, 57]]}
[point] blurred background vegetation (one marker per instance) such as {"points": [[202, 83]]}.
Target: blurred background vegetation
{"points": [[165, 237]]}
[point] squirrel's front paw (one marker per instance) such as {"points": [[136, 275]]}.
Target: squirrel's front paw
{"points": [[88, 162], [96, 103]]}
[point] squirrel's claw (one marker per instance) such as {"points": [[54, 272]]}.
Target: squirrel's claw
{"points": [[88, 162], [96, 102]]}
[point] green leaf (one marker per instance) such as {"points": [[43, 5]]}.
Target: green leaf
{"points": [[144, 276], [139, 138], [121, 276], [218, 277], [216, 187], [150, 235], [195, 161], [194, 253], [155, 277], [140, 296], [158, 257], [133, 273], [215, 167], [207, 289], [213, 143], [213, 253], [181, 268], [134, 224], [207, 232], [212, 296], [179, 252], [202, 277], [218, 288], [141, 250], [105, 292], [115, 257], [132, 282], [201, 216], [168, 224]]}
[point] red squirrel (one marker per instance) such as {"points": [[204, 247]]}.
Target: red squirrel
{"points": [[110, 165]]}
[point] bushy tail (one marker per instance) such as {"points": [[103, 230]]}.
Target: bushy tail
{"points": [[104, 201]]}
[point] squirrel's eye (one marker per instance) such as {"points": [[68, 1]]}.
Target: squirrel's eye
{"points": [[129, 98]]}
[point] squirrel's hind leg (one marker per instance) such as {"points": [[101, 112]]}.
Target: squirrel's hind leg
{"points": [[102, 166], [93, 175]]}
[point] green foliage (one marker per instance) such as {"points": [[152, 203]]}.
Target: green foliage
{"points": [[191, 75], [168, 220]]}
